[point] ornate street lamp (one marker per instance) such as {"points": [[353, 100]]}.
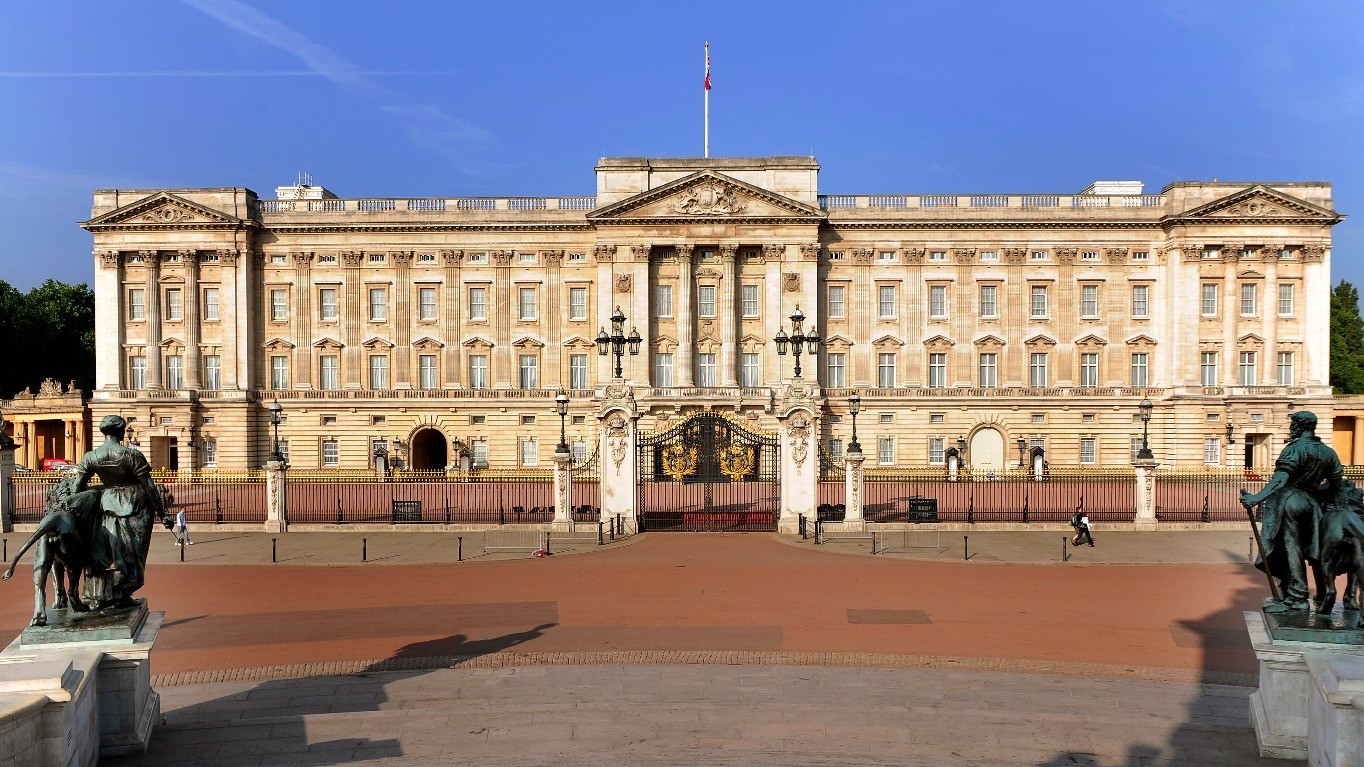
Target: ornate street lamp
{"points": [[1022, 445], [799, 341], [616, 340], [1145, 407], [961, 449], [561, 404], [854, 407], [1231, 431], [275, 410]]}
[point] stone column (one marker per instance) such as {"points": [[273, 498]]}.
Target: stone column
{"points": [[7, 495], [853, 486], [193, 369], [563, 491], [501, 307], [110, 316], [799, 454], [1145, 495], [276, 516], [152, 259], [619, 456], [1231, 309], [729, 316], [1316, 324], [1269, 372], [227, 265], [861, 365], [352, 321], [69, 440], [553, 321], [640, 369], [454, 301], [685, 364], [400, 360], [302, 321]]}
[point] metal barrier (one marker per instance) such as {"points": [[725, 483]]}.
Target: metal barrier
{"points": [[931, 495], [209, 497], [1212, 495], [515, 540], [893, 541], [481, 497]]}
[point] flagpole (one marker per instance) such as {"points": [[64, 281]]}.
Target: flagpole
{"points": [[707, 144]]}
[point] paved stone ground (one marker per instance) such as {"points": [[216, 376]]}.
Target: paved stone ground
{"points": [[703, 715]]}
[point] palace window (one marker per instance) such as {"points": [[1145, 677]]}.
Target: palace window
{"points": [[1038, 255], [210, 452], [1285, 368], [836, 300], [836, 255], [326, 304], [527, 310], [137, 372], [1285, 299], [426, 371], [578, 447], [1141, 255], [478, 304], [378, 372], [279, 305], [378, 304], [989, 255], [1088, 450], [1247, 364], [935, 417], [885, 370], [1133, 448], [1212, 253], [1209, 299], [374, 258], [211, 304], [989, 370], [478, 258], [750, 370], [577, 371], [705, 373], [1140, 369], [749, 302], [426, 258], [885, 451], [526, 258], [663, 370], [705, 299], [426, 301], [213, 372], [175, 305], [1249, 293], [331, 453], [1038, 304], [478, 453], [530, 371], [663, 300], [837, 366], [137, 304], [279, 372], [1089, 369], [1140, 304], [835, 448], [284, 450], [530, 452], [1089, 255], [937, 371], [937, 255], [330, 369], [937, 454], [1207, 369], [1037, 369], [886, 418], [989, 307], [1212, 451], [1039, 418], [886, 299], [937, 301], [1089, 301], [885, 256], [175, 371], [577, 303]]}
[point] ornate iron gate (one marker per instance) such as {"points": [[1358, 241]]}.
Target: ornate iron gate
{"points": [[708, 473]]}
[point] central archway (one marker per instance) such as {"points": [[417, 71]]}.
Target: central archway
{"points": [[430, 452], [987, 450]]}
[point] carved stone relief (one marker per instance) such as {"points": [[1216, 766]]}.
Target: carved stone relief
{"points": [[790, 282], [623, 283], [708, 198]]}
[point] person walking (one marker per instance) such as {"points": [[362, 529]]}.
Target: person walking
{"points": [[1082, 529], [181, 529]]}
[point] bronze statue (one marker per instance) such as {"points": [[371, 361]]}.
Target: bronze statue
{"points": [[103, 533], [1342, 547], [1305, 471]]}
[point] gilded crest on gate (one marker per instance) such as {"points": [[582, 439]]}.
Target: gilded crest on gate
{"points": [[736, 460], [679, 460]]}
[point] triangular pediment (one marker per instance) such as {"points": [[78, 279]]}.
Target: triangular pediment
{"points": [[1041, 339], [526, 342], [886, 341], [377, 343], [1250, 338], [940, 342], [1259, 202], [704, 196], [279, 343], [1141, 340], [163, 209], [477, 342], [1091, 340], [578, 342], [989, 340], [427, 343], [328, 343]]}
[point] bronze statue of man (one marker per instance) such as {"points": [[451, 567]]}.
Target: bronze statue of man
{"points": [[1291, 512]]}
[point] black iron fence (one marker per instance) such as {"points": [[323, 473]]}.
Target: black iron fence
{"points": [[206, 497], [489, 496], [932, 495], [1209, 495]]}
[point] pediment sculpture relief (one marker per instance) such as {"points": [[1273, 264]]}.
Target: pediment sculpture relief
{"points": [[708, 198]]}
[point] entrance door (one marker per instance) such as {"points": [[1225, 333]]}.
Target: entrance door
{"points": [[1257, 451], [708, 473], [429, 451], [987, 451], [165, 454]]}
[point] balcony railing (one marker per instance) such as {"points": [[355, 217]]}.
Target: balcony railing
{"points": [[428, 204], [980, 201]]}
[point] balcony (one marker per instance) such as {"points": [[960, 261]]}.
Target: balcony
{"points": [[428, 205], [969, 201]]}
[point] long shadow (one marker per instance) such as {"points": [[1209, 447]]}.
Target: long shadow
{"points": [[1216, 726], [269, 722]]}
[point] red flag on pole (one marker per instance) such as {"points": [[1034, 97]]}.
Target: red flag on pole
{"points": [[707, 66]]}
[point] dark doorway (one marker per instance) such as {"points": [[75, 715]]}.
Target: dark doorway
{"points": [[430, 452]]}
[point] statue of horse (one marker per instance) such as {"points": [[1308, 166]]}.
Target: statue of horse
{"points": [[64, 543], [1342, 547]]}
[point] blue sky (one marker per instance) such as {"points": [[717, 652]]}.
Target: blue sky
{"points": [[449, 99]]}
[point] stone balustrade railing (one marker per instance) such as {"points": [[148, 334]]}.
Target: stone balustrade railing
{"points": [[428, 204], [1022, 201]]}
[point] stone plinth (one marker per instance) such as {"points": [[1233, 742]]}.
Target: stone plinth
{"points": [[1335, 710], [49, 708], [109, 708]]}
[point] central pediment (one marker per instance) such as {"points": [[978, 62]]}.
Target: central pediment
{"points": [[161, 210], [706, 196]]}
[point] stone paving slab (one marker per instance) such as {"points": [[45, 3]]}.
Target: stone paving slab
{"points": [[704, 715]]}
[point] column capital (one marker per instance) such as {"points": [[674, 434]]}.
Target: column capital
{"points": [[728, 253], [400, 257], [551, 257], [227, 256], [109, 259], [684, 253], [1313, 254], [452, 257], [150, 256], [774, 252], [352, 258], [189, 256], [501, 257], [603, 252], [809, 251], [641, 251], [302, 260]]}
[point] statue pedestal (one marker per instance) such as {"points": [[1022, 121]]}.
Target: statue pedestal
{"points": [[1287, 721], [95, 674]]}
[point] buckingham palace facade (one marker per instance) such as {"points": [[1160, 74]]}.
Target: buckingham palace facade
{"points": [[435, 330]]}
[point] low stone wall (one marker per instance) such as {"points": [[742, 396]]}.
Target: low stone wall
{"points": [[21, 730]]}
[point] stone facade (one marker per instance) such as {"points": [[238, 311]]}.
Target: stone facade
{"points": [[428, 327]]}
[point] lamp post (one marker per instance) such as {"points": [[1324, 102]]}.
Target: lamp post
{"points": [[616, 340], [799, 340], [961, 450], [854, 407], [1022, 445], [1145, 407], [1231, 431], [275, 410], [561, 404]]}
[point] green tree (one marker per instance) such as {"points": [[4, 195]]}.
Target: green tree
{"points": [[1347, 340], [48, 332]]}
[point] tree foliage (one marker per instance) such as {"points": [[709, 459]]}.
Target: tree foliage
{"points": [[48, 332], [1347, 340]]}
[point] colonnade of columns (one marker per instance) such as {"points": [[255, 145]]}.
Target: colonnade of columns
{"points": [[30, 452]]}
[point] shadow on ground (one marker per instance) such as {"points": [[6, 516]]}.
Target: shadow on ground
{"points": [[277, 721]]}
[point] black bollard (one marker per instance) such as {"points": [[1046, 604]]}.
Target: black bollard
{"points": [[6, 557], [460, 550], [613, 530], [182, 551], [966, 548], [364, 549], [601, 540], [620, 525], [547, 551], [1250, 549], [274, 550], [1065, 552]]}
